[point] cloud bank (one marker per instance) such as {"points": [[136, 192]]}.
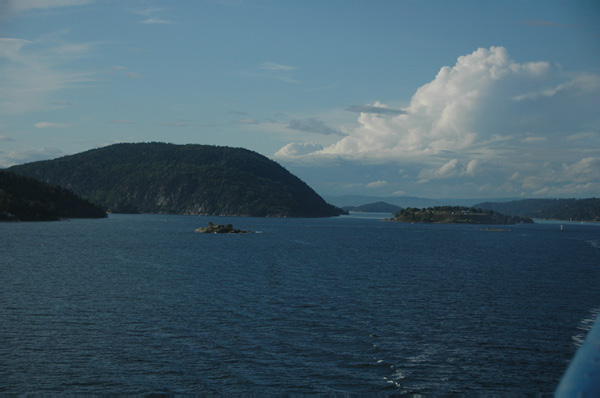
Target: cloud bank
{"points": [[488, 122]]}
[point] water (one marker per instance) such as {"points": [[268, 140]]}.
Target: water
{"points": [[139, 304]]}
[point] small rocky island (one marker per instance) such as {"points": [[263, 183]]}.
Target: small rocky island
{"points": [[457, 215], [220, 229]]}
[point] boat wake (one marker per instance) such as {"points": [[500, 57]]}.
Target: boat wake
{"points": [[585, 326], [593, 243]]}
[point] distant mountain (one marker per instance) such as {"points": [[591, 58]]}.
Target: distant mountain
{"points": [[26, 199], [403, 201], [553, 209], [377, 207], [182, 179]]}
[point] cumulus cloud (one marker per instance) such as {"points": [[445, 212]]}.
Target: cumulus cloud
{"points": [[27, 155], [583, 170], [487, 124], [470, 108], [443, 115], [452, 168], [298, 149], [377, 184]]}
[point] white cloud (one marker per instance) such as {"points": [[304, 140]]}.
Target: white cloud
{"points": [[298, 149], [149, 11], [577, 178], [580, 84], [473, 167], [277, 67], [586, 170], [377, 108], [156, 21], [124, 70], [37, 69], [377, 184], [45, 125], [450, 169], [273, 71], [581, 136], [487, 124], [26, 5], [443, 114], [533, 139], [152, 18], [27, 155]]}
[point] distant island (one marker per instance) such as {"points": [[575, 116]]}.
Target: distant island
{"points": [[457, 215], [182, 179], [377, 207], [220, 229], [549, 209], [26, 199]]}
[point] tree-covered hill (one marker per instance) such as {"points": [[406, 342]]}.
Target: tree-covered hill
{"points": [[182, 179], [550, 209], [457, 215], [26, 199]]}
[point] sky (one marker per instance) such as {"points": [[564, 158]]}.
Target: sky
{"points": [[436, 99]]}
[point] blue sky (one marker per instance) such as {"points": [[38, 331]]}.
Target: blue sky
{"points": [[461, 99]]}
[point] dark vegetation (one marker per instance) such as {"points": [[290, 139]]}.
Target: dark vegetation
{"points": [[182, 179], [550, 209], [26, 199], [456, 215], [377, 207], [220, 229]]}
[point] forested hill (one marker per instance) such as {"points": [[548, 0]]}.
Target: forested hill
{"points": [[457, 215], [182, 179], [550, 209], [26, 199]]}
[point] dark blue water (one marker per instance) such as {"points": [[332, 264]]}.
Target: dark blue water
{"points": [[142, 304]]}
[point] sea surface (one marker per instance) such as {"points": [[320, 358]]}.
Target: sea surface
{"points": [[141, 304]]}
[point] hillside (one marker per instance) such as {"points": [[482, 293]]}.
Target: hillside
{"points": [[457, 215], [551, 209], [26, 199], [377, 207], [182, 179], [404, 201]]}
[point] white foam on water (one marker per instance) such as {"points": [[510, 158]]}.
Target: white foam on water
{"points": [[585, 325], [593, 243]]}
